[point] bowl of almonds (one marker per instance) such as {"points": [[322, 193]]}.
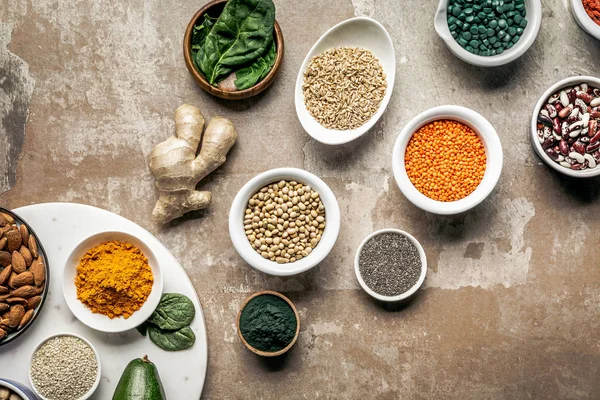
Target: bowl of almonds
{"points": [[23, 276]]}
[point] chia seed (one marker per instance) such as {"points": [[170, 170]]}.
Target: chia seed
{"points": [[64, 368], [390, 264]]}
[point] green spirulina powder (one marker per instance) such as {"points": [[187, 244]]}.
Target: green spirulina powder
{"points": [[268, 323]]}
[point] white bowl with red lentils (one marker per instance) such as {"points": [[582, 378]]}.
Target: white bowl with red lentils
{"points": [[447, 160]]}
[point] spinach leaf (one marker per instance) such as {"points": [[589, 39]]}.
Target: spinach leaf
{"points": [[252, 74], [242, 33], [143, 329], [181, 339], [199, 34], [173, 312]]}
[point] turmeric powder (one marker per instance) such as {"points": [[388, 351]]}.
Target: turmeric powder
{"points": [[114, 279]]}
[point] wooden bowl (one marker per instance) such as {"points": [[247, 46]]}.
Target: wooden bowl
{"points": [[265, 353], [214, 9]]}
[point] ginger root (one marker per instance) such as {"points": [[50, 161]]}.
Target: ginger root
{"points": [[178, 170]]}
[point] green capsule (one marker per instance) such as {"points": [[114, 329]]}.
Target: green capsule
{"points": [[466, 26], [497, 45], [452, 27], [493, 24], [502, 23], [512, 31], [481, 15], [470, 49], [482, 47], [509, 21], [492, 52], [500, 50], [500, 9], [474, 43], [523, 23], [468, 11], [511, 14], [493, 39], [519, 31], [459, 24], [454, 34], [506, 38], [520, 7], [462, 42], [477, 7], [490, 32], [510, 45], [474, 30], [476, 20], [451, 20], [456, 10], [515, 39], [501, 34], [476, 52], [487, 10], [481, 29], [466, 35], [469, 18], [518, 19]]}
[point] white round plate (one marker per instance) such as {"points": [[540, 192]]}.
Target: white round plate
{"points": [[60, 227]]}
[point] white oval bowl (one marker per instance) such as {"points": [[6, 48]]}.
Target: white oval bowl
{"points": [[98, 375], [572, 81], [359, 32], [98, 321], [241, 242], [493, 151], [402, 296], [583, 19], [534, 19]]}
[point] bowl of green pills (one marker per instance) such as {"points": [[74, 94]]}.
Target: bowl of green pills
{"points": [[268, 323], [488, 33]]}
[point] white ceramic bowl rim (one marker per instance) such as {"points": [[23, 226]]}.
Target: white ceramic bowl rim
{"points": [[98, 374], [534, 18], [8, 383], [238, 235], [101, 322], [409, 292], [571, 81], [493, 149], [332, 136], [584, 20]]}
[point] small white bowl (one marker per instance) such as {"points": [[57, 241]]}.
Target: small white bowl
{"points": [[534, 19], [243, 246], [98, 321], [572, 81], [359, 32], [583, 19], [493, 151], [406, 294], [98, 375]]}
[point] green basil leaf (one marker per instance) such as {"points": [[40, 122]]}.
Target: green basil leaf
{"points": [[173, 312], [252, 74], [181, 339], [242, 33]]}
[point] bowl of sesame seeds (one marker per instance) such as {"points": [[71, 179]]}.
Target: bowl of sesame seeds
{"points": [[64, 366], [390, 265]]}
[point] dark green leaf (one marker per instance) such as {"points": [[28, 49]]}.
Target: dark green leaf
{"points": [[173, 312], [252, 74], [242, 33], [181, 339], [199, 33], [143, 328]]}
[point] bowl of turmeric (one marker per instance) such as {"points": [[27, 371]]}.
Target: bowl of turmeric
{"points": [[112, 282]]}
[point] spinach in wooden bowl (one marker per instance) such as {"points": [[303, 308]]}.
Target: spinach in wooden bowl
{"points": [[235, 50]]}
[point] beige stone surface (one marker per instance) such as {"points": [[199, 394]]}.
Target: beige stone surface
{"points": [[511, 306]]}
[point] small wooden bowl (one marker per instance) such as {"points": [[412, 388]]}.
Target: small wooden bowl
{"points": [[214, 9], [260, 352]]}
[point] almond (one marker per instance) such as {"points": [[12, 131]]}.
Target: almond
{"points": [[4, 297], [11, 280], [24, 292], [24, 278], [3, 221], [39, 272], [24, 234], [4, 307], [3, 243], [2, 333], [5, 258], [32, 302], [26, 255], [32, 246], [5, 274], [15, 315], [26, 318], [3, 290], [18, 262], [16, 300], [14, 240], [9, 218]]}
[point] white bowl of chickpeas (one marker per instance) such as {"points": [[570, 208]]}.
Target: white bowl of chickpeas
{"points": [[284, 221]]}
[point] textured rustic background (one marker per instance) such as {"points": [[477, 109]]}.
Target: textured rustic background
{"points": [[512, 301]]}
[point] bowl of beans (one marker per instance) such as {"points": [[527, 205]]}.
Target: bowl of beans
{"points": [[565, 127], [284, 221], [447, 160], [390, 265], [488, 33], [587, 15]]}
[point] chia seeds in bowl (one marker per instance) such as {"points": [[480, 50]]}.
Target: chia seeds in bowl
{"points": [[390, 265]]}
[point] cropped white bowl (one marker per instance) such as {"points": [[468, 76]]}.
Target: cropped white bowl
{"points": [[584, 20], [241, 242], [493, 151], [534, 19], [408, 293], [359, 32], [98, 321], [98, 374], [572, 81]]}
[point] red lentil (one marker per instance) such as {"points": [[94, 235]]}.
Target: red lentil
{"points": [[445, 160], [592, 7]]}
